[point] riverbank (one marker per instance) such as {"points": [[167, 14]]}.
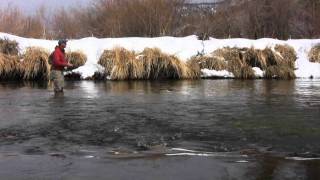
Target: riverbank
{"points": [[184, 49]]}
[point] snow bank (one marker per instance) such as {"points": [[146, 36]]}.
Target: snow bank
{"points": [[184, 48]]}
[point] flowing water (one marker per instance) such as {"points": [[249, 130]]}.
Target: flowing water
{"points": [[208, 129]]}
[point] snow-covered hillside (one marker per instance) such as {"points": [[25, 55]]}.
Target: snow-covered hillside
{"points": [[184, 48]]}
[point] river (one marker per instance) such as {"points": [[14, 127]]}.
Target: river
{"points": [[207, 129]]}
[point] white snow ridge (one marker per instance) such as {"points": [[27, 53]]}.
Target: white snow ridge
{"points": [[183, 48]]}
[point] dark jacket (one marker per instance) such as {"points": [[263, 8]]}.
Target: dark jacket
{"points": [[59, 59]]}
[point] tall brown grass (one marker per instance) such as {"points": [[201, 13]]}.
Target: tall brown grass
{"points": [[208, 62], [9, 47], [280, 72], [8, 67], [121, 64], [151, 63], [193, 70], [77, 58], [35, 64], [107, 59], [240, 61], [314, 54], [160, 65], [246, 72], [254, 58], [9, 60], [117, 63], [288, 54]]}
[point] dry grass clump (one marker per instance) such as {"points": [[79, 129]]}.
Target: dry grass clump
{"points": [[280, 72], [263, 58], [226, 53], [136, 68], [193, 70], [240, 61], [240, 69], [8, 47], [35, 64], [77, 58], [314, 54], [208, 62], [159, 65], [107, 59], [289, 56], [236, 61], [256, 58], [270, 58], [8, 67], [246, 72], [121, 64]]}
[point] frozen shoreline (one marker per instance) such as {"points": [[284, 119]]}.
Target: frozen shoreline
{"points": [[184, 48]]}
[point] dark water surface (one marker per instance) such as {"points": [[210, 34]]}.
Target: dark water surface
{"points": [[208, 129]]}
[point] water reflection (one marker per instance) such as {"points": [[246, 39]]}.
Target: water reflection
{"points": [[89, 89], [278, 87], [148, 87], [23, 84], [305, 93]]}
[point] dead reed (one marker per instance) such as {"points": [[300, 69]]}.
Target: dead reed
{"points": [[151, 63], [9, 47], [314, 54], [77, 58], [35, 64]]}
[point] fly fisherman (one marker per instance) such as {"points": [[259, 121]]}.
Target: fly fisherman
{"points": [[59, 63]]}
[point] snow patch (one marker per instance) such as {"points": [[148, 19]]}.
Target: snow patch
{"points": [[207, 73], [258, 72]]}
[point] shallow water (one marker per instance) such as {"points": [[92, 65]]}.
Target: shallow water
{"points": [[220, 129]]}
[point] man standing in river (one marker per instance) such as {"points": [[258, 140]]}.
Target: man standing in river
{"points": [[59, 63]]}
